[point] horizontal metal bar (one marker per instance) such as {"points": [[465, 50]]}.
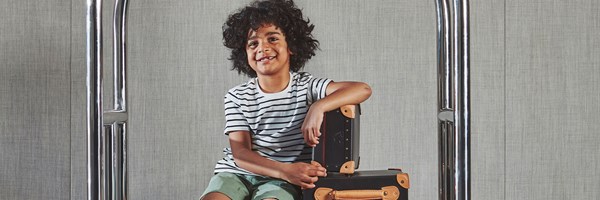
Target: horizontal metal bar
{"points": [[115, 116], [446, 116]]}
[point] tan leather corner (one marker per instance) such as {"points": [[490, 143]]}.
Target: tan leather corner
{"points": [[349, 111], [390, 192], [403, 180], [348, 167], [322, 193]]}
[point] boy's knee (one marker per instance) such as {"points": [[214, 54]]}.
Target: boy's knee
{"points": [[215, 196]]}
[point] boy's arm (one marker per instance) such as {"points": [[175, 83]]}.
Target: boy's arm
{"points": [[337, 94], [301, 174]]}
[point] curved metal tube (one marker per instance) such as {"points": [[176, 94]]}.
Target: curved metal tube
{"points": [[444, 55], [119, 25], [119, 128], [454, 99], [107, 163]]}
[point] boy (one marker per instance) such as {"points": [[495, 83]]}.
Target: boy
{"points": [[273, 120]]}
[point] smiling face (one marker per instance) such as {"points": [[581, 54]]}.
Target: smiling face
{"points": [[268, 52]]}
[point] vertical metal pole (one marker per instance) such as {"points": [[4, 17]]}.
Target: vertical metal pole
{"points": [[454, 99], [445, 100], [121, 185], [107, 164], [106, 155], [94, 95], [465, 107]]}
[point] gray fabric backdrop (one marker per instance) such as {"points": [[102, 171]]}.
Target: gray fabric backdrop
{"points": [[535, 93]]}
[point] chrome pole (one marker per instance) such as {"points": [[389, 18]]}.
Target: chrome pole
{"points": [[107, 163], [454, 99], [119, 26], [464, 108], [119, 147], [94, 95], [444, 96]]}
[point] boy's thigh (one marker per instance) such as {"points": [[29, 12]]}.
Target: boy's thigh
{"points": [[228, 184], [275, 189]]}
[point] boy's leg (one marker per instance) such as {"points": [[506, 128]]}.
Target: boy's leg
{"points": [[215, 196], [274, 189], [226, 184]]}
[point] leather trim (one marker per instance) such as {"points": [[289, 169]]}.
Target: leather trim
{"points": [[348, 167], [403, 180], [349, 111]]}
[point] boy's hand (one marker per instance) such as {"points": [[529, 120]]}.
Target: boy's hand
{"points": [[303, 174], [312, 125]]}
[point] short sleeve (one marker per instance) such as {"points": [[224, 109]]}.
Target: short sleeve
{"points": [[317, 88], [234, 118]]}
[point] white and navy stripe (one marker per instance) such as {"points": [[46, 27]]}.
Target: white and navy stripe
{"points": [[273, 119]]}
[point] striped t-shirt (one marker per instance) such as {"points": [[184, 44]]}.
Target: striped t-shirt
{"points": [[273, 119]]}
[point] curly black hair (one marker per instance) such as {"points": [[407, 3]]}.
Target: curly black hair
{"points": [[281, 13]]}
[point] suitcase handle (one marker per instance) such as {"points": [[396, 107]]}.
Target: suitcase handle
{"points": [[386, 193]]}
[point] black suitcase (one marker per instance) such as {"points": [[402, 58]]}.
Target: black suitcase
{"points": [[338, 144], [380, 184]]}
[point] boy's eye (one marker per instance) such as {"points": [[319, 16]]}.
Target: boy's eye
{"points": [[273, 39], [252, 44]]}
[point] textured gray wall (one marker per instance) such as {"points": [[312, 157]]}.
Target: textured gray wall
{"points": [[487, 100], [552, 76], [535, 88], [78, 98], [34, 99]]}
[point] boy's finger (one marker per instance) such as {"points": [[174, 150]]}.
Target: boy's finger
{"points": [[321, 174], [315, 163], [307, 185], [316, 172], [315, 136], [308, 138], [308, 179], [313, 141], [322, 169]]}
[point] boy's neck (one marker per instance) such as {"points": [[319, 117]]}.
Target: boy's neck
{"points": [[273, 84]]}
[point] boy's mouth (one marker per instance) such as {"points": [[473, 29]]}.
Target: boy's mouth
{"points": [[265, 58]]}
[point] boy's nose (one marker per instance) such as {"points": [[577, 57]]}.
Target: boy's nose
{"points": [[263, 48], [264, 51]]}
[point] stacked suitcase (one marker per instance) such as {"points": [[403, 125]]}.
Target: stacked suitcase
{"points": [[337, 151]]}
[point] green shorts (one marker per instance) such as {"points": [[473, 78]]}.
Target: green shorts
{"points": [[246, 187]]}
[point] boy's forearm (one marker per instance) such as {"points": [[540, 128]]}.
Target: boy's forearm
{"points": [[345, 93], [241, 147]]}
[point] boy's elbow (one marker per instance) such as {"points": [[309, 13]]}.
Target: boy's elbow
{"points": [[366, 90]]}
